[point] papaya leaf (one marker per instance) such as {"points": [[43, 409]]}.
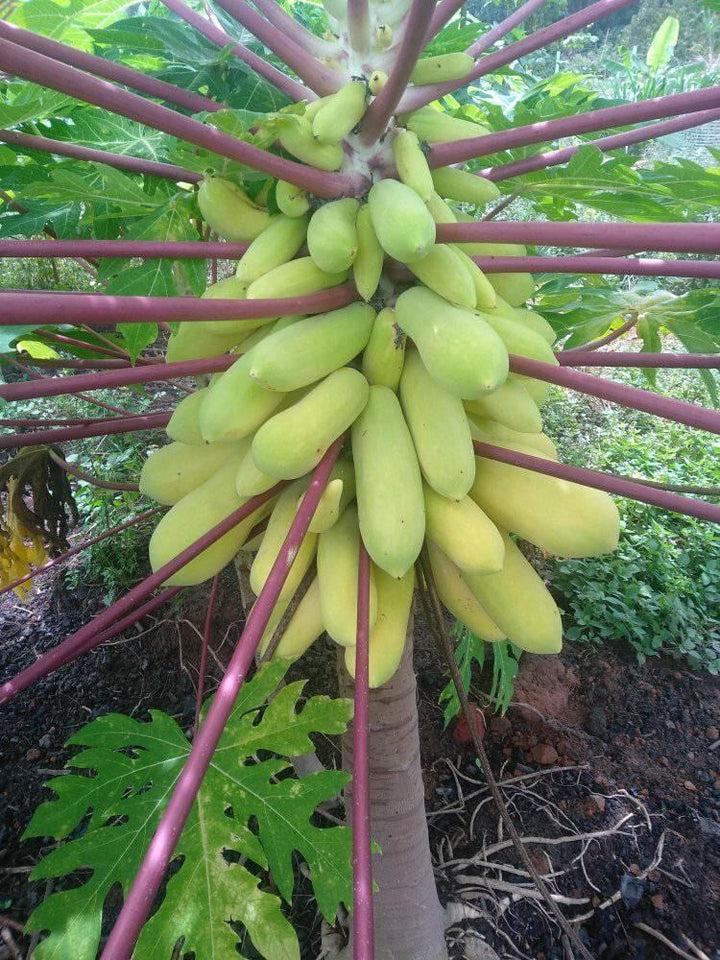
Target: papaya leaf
{"points": [[663, 44], [67, 21], [108, 812]]}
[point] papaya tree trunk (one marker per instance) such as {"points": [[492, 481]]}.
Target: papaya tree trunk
{"points": [[409, 920]]}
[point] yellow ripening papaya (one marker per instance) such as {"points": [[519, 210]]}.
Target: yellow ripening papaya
{"points": [[291, 200], [384, 354], [296, 136], [236, 405], [337, 570], [378, 78], [510, 405], [171, 472], [433, 126], [368, 262], [310, 349], [445, 66], [485, 296], [562, 518], [464, 533], [294, 441], [459, 349], [456, 596], [229, 211], [411, 163], [386, 641], [332, 237], [403, 224], [303, 628], [184, 424], [443, 272], [519, 603], [455, 184], [278, 243], [492, 432], [341, 113], [281, 520], [249, 480], [195, 515], [338, 493], [297, 278], [439, 428], [516, 288], [389, 486], [194, 341]]}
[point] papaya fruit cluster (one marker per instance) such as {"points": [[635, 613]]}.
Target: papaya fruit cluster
{"points": [[413, 372]]}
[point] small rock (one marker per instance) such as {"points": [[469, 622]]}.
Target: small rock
{"points": [[716, 785], [544, 754], [664, 761], [475, 949], [712, 733], [709, 828], [594, 804], [597, 722], [657, 901], [33, 754], [499, 727], [669, 724], [631, 890], [45, 741], [689, 786], [686, 716]]}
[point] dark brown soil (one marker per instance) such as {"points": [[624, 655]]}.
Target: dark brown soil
{"points": [[634, 742]]}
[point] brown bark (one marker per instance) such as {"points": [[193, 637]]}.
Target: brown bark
{"points": [[409, 920]]}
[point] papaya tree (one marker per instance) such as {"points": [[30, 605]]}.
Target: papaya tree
{"points": [[363, 412]]}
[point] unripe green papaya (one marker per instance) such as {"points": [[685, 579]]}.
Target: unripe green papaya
{"points": [[459, 350], [442, 271], [281, 520], [402, 222], [292, 201], [386, 641], [519, 603], [303, 629], [277, 244], [194, 341], [455, 184], [294, 441], [343, 111], [332, 502], [368, 262], [184, 424], [411, 163], [464, 533], [457, 597], [516, 288], [485, 296], [510, 405], [539, 390], [487, 249], [446, 66], [337, 569], [519, 339], [489, 431], [378, 78], [531, 319], [171, 472], [435, 127], [332, 237], [236, 405], [314, 106], [296, 136], [249, 481], [312, 348], [439, 429], [231, 289], [442, 213], [384, 355], [298, 278], [389, 487], [229, 211], [563, 518], [197, 513]]}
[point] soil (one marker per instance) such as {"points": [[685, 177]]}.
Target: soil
{"points": [[592, 743]]}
